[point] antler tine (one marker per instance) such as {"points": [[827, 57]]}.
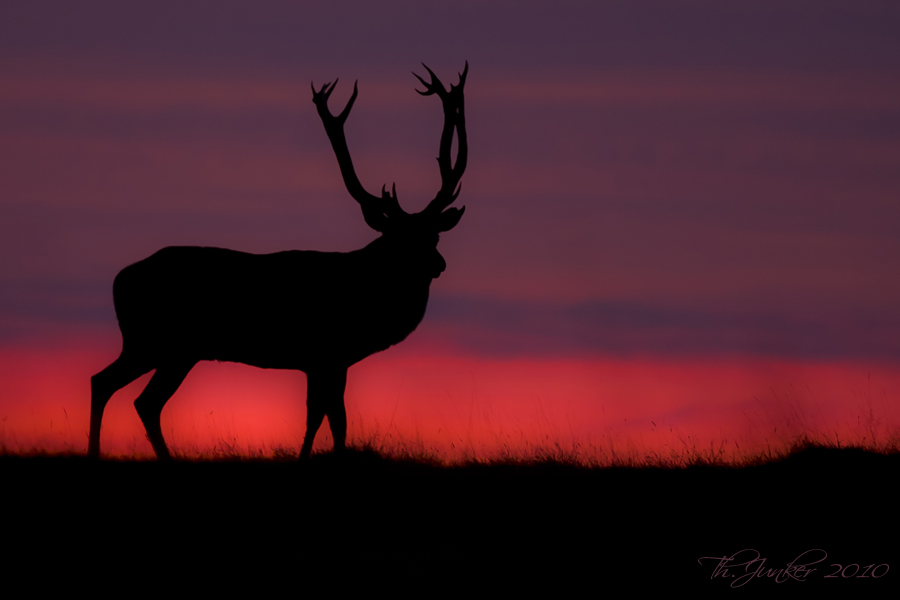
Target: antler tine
{"points": [[390, 199], [435, 87], [323, 94], [343, 116], [426, 92], [462, 77]]}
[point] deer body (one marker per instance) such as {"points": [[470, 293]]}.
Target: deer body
{"points": [[317, 312], [287, 310]]}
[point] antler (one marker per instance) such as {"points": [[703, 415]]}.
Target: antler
{"points": [[454, 117], [376, 211]]}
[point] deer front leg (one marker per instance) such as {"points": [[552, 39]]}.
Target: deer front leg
{"points": [[325, 396]]}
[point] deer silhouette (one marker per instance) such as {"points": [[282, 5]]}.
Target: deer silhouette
{"points": [[317, 312]]}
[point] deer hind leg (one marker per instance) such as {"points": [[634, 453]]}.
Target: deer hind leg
{"points": [[325, 396], [104, 384], [150, 403]]}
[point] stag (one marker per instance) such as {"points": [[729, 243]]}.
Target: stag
{"points": [[317, 312]]}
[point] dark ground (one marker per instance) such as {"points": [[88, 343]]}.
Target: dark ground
{"points": [[371, 525]]}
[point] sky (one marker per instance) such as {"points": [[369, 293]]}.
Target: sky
{"points": [[681, 213]]}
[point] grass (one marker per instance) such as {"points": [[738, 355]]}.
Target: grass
{"points": [[386, 514], [584, 456]]}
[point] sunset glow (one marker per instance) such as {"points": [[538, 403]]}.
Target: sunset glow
{"points": [[460, 407]]}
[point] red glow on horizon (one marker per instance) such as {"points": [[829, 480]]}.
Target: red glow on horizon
{"points": [[455, 406]]}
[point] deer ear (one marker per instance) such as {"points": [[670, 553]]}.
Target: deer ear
{"points": [[375, 218], [448, 219]]}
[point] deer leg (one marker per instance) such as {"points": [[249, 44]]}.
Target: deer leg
{"points": [[337, 413], [150, 403], [103, 385], [324, 394]]}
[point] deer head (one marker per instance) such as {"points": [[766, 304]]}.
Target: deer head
{"points": [[411, 237]]}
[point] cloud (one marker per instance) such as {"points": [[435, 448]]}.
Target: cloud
{"points": [[626, 328]]}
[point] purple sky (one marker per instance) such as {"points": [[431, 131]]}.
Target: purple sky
{"points": [[645, 178]]}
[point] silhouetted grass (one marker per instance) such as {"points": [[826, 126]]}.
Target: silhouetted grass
{"points": [[548, 518], [581, 455], [574, 517]]}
